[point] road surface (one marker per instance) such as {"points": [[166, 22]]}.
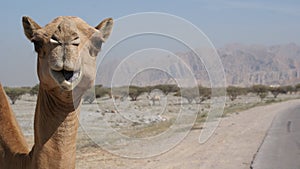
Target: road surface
{"points": [[281, 146]]}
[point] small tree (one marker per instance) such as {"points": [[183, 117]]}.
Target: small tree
{"points": [[260, 90], [233, 92], [204, 93], [15, 93], [276, 91], [167, 88], [189, 94], [135, 92]]}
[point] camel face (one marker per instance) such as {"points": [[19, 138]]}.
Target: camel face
{"points": [[67, 48]]}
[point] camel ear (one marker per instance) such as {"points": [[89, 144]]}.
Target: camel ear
{"points": [[105, 28], [29, 27]]}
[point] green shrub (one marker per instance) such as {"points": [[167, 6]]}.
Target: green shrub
{"points": [[233, 92], [135, 92], [276, 91], [166, 88], [204, 93], [260, 90]]}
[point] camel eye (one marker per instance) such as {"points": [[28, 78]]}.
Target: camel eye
{"points": [[54, 40], [76, 41]]}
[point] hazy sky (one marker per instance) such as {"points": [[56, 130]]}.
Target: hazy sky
{"points": [[223, 21]]}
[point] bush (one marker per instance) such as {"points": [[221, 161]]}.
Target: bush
{"points": [[260, 90], [276, 91], [167, 88], [233, 92], [15, 93], [204, 93], [190, 93], [135, 92]]}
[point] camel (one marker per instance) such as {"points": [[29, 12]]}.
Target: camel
{"points": [[67, 48]]}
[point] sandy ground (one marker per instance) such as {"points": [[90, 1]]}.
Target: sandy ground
{"points": [[232, 146]]}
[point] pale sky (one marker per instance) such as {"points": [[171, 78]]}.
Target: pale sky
{"points": [[223, 21]]}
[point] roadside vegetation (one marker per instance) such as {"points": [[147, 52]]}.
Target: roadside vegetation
{"points": [[197, 94]]}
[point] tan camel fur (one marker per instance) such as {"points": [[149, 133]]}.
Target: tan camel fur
{"points": [[67, 49]]}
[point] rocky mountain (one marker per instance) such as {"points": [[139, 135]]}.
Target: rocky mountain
{"points": [[257, 64], [244, 65]]}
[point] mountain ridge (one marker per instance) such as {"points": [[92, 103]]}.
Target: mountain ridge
{"points": [[244, 65]]}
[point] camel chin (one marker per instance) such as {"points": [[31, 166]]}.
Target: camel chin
{"points": [[66, 80]]}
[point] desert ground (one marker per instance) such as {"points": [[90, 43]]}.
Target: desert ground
{"points": [[232, 146]]}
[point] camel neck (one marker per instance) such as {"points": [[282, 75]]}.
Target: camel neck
{"points": [[56, 124]]}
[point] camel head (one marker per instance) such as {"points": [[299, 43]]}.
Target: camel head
{"points": [[67, 48]]}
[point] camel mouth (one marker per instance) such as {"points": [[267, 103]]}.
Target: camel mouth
{"points": [[67, 80]]}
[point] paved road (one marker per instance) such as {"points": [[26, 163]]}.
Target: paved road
{"points": [[281, 147]]}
